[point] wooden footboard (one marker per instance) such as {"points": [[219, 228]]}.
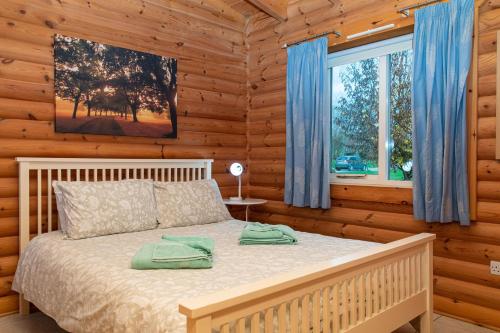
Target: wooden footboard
{"points": [[377, 290]]}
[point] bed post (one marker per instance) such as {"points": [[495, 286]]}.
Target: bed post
{"points": [[208, 169], [24, 221], [425, 321]]}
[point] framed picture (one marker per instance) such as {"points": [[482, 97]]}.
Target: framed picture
{"points": [[108, 90]]}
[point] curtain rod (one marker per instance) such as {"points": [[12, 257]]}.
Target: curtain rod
{"points": [[406, 10], [335, 32]]}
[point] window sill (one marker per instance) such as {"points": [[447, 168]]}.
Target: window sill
{"points": [[370, 182]]}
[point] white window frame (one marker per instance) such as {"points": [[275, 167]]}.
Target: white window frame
{"points": [[377, 49]]}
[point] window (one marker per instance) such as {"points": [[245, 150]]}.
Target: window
{"points": [[371, 113]]}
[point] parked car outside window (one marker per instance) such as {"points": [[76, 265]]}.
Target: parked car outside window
{"points": [[350, 163]]}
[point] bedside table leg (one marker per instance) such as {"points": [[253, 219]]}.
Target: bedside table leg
{"points": [[246, 213]]}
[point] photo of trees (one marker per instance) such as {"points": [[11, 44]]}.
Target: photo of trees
{"points": [[108, 90]]}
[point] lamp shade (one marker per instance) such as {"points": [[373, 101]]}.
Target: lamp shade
{"points": [[236, 169]]}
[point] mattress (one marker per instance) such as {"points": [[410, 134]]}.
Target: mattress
{"points": [[87, 285]]}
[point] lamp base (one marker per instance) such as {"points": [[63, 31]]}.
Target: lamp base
{"points": [[236, 199]]}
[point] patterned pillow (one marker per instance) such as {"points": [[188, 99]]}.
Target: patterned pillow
{"points": [[182, 204], [89, 209]]}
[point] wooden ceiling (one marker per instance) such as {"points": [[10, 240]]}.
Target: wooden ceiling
{"points": [[243, 6], [274, 8]]}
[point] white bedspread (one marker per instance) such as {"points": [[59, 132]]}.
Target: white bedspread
{"points": [[87, 285]]}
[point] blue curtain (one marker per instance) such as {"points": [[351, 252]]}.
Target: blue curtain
{"points": [[308, 126], [442, 56]]}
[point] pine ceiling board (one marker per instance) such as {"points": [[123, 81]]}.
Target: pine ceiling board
{"points": [[275, 8], [244, 7]]}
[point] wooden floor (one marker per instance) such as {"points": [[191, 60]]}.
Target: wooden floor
{"points": [[39, 323]]}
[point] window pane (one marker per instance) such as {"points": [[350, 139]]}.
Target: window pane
{"points": [[355, 108], [400, 162]]}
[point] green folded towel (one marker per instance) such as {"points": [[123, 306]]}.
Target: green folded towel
{"points": [[201, 243], [259, 233], [175, 253], [168, 251]]}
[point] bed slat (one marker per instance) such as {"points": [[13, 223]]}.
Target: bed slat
{"points": [[395, 269], [390, 290], [255, 324], [369, 298], [376, 289], [294, 315], [304, 310], [39, 200], [269, 321], [345, 306], [418, 273], [282, 318], [225, 328], [336, 308], [362, 297], [316, 312], [352, 302], [407, 277], [383, 291], [326, 302], [401, 280], [49, 200], [412, 275], [240, 325]]}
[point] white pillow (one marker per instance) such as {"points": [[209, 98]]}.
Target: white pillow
{"points": [[182, 204], [89, 209]]}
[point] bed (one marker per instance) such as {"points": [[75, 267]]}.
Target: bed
{"points": [[324, 284]]}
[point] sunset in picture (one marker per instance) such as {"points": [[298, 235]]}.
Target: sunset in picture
{"points": [[102, 89]]}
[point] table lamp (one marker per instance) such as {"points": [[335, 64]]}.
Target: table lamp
{"points": [[236, 169]]}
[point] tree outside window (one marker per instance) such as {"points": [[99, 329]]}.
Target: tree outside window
{"points": [[371, 109]]}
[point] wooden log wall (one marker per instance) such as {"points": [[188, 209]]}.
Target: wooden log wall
{"points": [[463, 285], [227, 71], [210, 47]]}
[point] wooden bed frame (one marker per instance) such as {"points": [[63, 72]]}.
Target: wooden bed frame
{"points": [[377, 290]]}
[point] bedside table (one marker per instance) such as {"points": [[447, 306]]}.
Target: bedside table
{"points": [[245, 202]]}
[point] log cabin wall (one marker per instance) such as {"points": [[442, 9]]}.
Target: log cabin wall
{"points": [[212, 53], [209, 45], [463, 285]]}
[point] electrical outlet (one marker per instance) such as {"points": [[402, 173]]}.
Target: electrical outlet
{"points": [[495, 267]]}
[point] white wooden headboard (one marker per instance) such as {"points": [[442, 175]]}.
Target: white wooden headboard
{"points": [[36, 201]]}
